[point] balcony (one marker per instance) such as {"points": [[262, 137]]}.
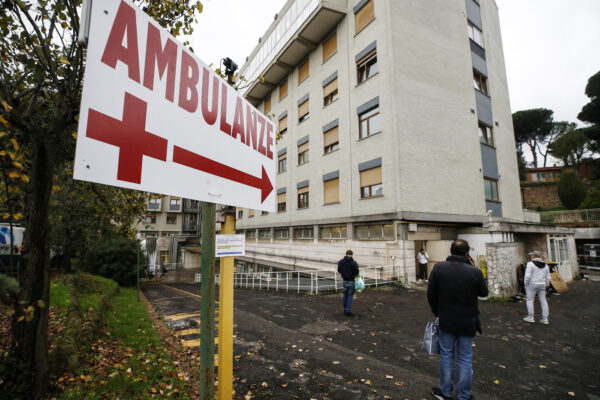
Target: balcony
{"points": [[191, 206], [154, 204], [298, 29]]}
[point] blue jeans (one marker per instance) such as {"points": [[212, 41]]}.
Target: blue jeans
{"points": [[348, 295], [464, 351]]}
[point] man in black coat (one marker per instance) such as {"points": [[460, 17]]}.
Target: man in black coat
{"points": [[454, 286], [349, 269]]}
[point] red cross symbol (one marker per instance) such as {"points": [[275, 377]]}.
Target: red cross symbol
{"points": [[129, 136]]}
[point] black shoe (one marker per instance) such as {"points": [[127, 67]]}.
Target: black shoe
{"points": [[349, 314], [437, 393]]}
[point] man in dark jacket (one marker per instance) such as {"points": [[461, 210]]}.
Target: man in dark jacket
{"points": [[454, 286], [349, 269]]}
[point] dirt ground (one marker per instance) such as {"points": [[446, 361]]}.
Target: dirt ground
{"points": [[289, 346]]}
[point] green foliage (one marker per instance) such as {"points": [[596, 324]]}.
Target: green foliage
{"points": [[590, 112], [592, 200], [114, 258], [570, 147], [522, 164], [9, 287], [571, 190]]}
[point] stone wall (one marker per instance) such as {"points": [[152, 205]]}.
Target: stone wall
{"points": [[544, 196], [502, 260]]}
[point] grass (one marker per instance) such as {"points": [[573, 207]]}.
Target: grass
{"points": [[128, 360]]}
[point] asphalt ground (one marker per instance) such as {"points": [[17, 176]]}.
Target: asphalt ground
{"points": [[290, 346]]}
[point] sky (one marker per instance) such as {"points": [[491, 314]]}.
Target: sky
{"points": [[551, 47]]}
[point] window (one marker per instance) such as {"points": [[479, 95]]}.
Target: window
{"points": [[371, 183], [363, 16], [303, 197], [366, 67], [475, 34], [281, 202], [304, 232], [251, 234], [331, 191], [303, 113], [150, 218], [558, 248], [330, 140], [330, 92], [264, 213], [281, 233], [303, 153], [250, 213], [283, 90], [329, 47], [267, 104], [175, 203], [303, 72], [333, 232], [283, 125], [171, 218], [154, 203], [491, 189], [282, 163], [375, 232], [485, 134], [240, 214], [264, 234], [480, 82], [369, 122]]}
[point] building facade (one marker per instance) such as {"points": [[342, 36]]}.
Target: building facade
{"points": [[395, 131]]}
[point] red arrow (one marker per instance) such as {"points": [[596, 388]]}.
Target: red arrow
{"points": [[196, 161]]}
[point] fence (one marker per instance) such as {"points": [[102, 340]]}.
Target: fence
{"points": [[531, 216], [558, 217], [313, 281]]}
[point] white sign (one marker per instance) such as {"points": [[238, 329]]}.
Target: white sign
{"points": [[154, 117], [230, 245]]}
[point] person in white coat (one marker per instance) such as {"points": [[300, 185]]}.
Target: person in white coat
{"points": [[537, 279]]}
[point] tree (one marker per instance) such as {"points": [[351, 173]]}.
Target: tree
{"points": [[41, 73], [522, 164], [590, 112], [571, 190], [591, 201], [570, 147], [532, 127], [557, 130]]}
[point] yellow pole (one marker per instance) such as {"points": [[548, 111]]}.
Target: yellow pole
{"points": [[225, 363]]}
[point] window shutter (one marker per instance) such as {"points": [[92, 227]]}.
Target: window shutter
{"points": [[303, 109], [283, 90], [329, 47], [370, 177], [330, 137], [363, 16], [303, 190], [250, 212], [282, 157], [281, 198], [330, 88], [303, 147], [332, 191], [303, 72], [283, 123], [268, 104]]}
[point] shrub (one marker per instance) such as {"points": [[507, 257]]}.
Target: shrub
{"points": [[114, 258], [592, 200], [571, 190]]}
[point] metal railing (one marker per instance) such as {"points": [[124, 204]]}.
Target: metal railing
{"points": [[313, 281], [570, 216]]}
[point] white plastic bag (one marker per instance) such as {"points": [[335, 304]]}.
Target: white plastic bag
{"points": [[359, 283]]}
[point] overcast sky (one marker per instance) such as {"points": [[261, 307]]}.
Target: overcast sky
{"points": [[551, 46]]}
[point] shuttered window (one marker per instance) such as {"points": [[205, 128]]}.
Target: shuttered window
{"points": [[371, 183], [283, 125], [330, 140], [331, 191], [303, 72], [303, 113], [330, 47], [281, 202], [303, 153], [283, 90], [363, 16], [282, 163], [330, 92], [303, 197], [250, 213], [267, 104]]}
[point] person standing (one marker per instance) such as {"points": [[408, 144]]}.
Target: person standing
{"points": [[537, 279], [349, 269], [422, 260], [454, 286]]}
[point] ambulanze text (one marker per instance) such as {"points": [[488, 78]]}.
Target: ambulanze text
{"points": [[256, 133]]}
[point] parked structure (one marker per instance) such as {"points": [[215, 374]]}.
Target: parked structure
{"points": [[396, 134]]}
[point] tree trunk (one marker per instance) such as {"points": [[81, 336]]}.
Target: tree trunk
{"points": [[533, 153], [30, 333]]}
